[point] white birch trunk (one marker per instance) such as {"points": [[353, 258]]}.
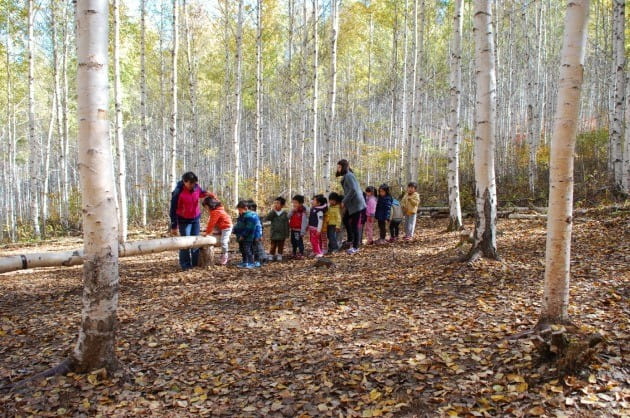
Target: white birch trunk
{"points": [[125, 249], [455, 210], [315, 170], [259, 75], [559, 221], [332, 95], [619, 99], [626, 155], [120, 139], [95, 347], [173, 128], [236, 142], [143, 108], [34, 169], [485, 124]]}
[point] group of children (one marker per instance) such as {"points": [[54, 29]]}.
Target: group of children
{"points": [[323, 221]]}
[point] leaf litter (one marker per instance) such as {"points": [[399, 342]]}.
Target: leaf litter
{"points": [[397, 330]]}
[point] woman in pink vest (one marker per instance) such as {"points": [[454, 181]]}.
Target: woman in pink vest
{"points": [[185, 215]]}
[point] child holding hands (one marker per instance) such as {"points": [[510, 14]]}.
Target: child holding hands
{"points": [[220, 221]]}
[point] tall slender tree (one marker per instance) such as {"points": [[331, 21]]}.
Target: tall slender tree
{"points": [[619, 95], [119, 134], [95, 347], [315, 110], [143, 104], [485, 114], [332, 94], [174, 102], [236, 141], [259, 96], [455, 210], [32, 140], [560, 218]]}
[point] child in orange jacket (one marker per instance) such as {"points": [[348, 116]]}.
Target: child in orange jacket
{"points": [[219, 220]]}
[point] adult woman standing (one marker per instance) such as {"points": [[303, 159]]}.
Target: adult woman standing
{"points": [[353, 202], [185, 215]]}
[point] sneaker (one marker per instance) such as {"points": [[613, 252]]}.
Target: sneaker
{"points": [[381, 242], [299, 257], [256, 264], [353, 251], [224, 259], [319, 255], [250, 266], [370, 242], [278, 257], [243, 265], [407, 239]]}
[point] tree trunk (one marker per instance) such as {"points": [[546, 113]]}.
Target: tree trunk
{"points": [[332, 95], [559, 220], [236, 142], [143, 109], [192, 78], [120, 139], [259, 74], [315, 169], [125, 249], [173, 128], [95, 347], [455, 213], [34, 169], [619, 99], [485, 111]]}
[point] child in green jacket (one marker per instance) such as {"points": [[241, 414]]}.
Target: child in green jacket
{"points": [[279, 219]]}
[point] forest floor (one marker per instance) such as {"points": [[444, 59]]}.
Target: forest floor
{"points": [[396, 330]]}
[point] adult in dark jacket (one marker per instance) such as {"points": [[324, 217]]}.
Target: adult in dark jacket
{"points": [[353, 202], [185, 215]]}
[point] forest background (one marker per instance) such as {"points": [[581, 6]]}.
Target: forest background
{"points": [[261, 98]]}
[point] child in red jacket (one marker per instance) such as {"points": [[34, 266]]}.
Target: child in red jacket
{"points": [[221, 222]]}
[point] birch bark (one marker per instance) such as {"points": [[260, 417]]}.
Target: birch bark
{"points": [[237, 103], [120, 139], [619, 99], [34, 169], [559, 219]]}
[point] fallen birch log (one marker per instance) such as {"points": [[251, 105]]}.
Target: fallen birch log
{"points": [[127, 249]]}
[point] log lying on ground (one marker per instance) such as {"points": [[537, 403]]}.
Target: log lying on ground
{"points": [[127, 249]]}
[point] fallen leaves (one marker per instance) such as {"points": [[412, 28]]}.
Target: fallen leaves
{"points": [[394, 330]]}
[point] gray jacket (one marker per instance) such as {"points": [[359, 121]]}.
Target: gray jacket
{"points": [[352, 194]]}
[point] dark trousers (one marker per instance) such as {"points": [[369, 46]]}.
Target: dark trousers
{"points": [[382, 229], [247, 251], [354, 234], [297, 242], [259, 251], [394, 228], [276, 245], [331, 234], [189, 257]]}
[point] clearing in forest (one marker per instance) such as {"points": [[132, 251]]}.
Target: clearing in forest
{"points": [[394, 330]]}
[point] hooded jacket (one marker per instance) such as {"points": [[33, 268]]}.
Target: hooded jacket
{"points": [[185, 204]]}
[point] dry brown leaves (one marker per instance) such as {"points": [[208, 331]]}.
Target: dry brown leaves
{"points": [[394, 330]]}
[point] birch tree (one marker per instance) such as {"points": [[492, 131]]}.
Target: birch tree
{"points": [[34, 169], [619, 98], [560, 217], [484, 144], [236, 142], [143, 102], [259, 74], [95, 347], [120, 139], [314, 109], [173, 128], [455, 211], [332, 94]]}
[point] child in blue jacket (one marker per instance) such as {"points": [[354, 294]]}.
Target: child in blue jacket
{"points": [[383, 209], [245, 231]]}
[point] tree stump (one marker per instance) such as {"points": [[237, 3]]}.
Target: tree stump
{"points": [[206, 257], [568, 348]]}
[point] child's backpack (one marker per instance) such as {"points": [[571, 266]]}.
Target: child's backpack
{"points": [[397, 212]]}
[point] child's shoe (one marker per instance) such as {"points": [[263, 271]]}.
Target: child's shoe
{"points": [[224, 259], [279, 257], [370, 242], [352, 251], [299, 257], [381, 242], [242, 265], [407, 238], [256, 264], [319, 255]]}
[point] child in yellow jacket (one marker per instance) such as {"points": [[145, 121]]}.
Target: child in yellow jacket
{"points": [[410, 203], [333, 221]]}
